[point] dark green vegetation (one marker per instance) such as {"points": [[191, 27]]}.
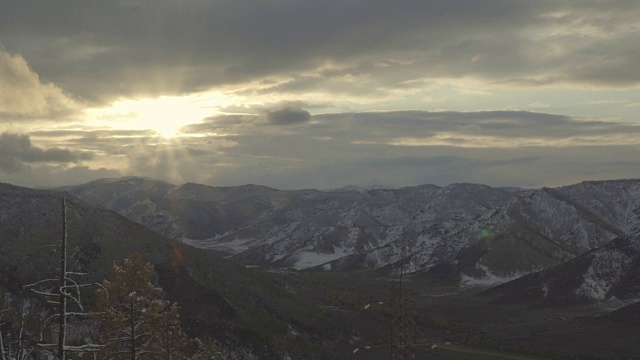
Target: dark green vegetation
{"points": [[134, 320], [477, 324]]}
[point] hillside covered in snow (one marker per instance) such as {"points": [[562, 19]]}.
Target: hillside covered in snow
{"points": [[472, 233]]}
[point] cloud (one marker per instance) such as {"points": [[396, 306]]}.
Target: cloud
{"points": [[351, 46], [105, 133], [223, 124], [16, 151], [287, 115], [141, 152], [51, 175], [491, 129], [519, 148], [24, 96]]}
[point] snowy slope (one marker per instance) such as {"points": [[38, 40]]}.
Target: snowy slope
{"points": [[478, 233], [612, 270]]}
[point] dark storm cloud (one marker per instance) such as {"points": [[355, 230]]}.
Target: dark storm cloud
{"points": [[103, 49], [16, 151], [287, 116]]}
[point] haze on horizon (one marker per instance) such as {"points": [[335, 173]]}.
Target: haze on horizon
{"points": [[320, 94]]}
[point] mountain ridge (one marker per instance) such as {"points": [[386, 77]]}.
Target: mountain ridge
{"points": [[480, 233]]}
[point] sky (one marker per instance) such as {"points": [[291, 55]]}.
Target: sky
{"points": [[320, 94]]}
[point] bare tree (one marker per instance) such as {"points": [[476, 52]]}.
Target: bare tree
{"points": [[19, 352], [67, 298]]}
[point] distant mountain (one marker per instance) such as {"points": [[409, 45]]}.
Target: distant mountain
{"points": [[467, 232], [302, 228], [190, 210]]}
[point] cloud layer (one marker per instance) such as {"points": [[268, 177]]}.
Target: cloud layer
{"points": [[16, 152], [396, 148], [101, 50]]}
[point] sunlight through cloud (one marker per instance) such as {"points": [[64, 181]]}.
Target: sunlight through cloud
{"points": [[165, 115]]}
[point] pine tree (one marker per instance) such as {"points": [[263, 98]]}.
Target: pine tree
{"points": [[173, 338], [137, 324]]}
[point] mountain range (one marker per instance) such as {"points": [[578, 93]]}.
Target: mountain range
{"points": [[467, 233], [569, 245]]}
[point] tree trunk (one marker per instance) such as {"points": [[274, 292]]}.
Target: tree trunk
{"points": [[133, 329], [19, 348], [62, 310], [2, 346]]}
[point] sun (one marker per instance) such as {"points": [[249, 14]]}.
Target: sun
{"points": [[165, 115]]}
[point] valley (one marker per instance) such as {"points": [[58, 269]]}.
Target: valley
{"points": [[475, 323]]}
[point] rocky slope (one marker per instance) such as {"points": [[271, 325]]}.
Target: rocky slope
{"points": [[612, 270], [609, 271], [473, 233]]}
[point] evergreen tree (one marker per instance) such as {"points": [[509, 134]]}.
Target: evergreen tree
{"points": [[173, 338], [137, 323]]}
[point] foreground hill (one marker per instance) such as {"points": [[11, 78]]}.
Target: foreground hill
{"points": [[466, 232], [243, 309]]}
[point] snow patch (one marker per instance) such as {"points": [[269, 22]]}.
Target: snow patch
{"points": [[234, 246], [489, 278], [606, 269], [309, 259]]}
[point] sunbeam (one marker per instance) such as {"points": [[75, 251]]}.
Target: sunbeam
{"points": [[166, 115]]}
